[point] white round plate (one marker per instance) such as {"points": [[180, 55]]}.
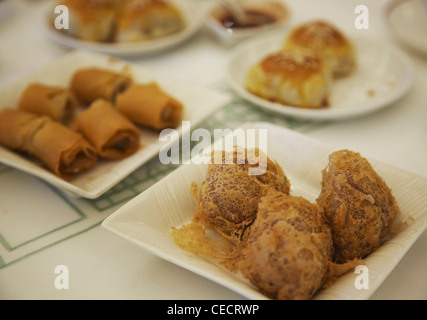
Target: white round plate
{"points": [[384, 74], [407, 20], [192, 14]]}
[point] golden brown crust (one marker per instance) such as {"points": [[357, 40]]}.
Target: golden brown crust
{"points": [[148, 19], [121, 20], [92, 20], [63, 151], [229, 196], [295, 78], [290, 247], [293, 66], [55, 102], [148, 105], [318, 35], [358, 204], [16, 127], [92, 83], [328, 42], [111, 133], [90, 10]]}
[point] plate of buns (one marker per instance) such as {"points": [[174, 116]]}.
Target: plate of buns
{"points": [[304, 224], [86, 121], [124, 27], [317, 72]]}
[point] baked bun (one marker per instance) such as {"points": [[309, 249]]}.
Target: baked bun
{"points": [[358, 204], [148, 19], [288, 248], [294, 78], [326, 40], [121, 20], [229, 195], [91, 20]]}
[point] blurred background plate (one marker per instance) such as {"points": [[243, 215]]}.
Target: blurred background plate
{"points": [[194, 15], [407, 20]]}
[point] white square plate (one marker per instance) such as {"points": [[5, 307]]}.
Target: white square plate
{"points": [[198, 103], [146, 220]]}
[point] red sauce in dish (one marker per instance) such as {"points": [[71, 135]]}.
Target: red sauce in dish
{"points": [[254, 19]]}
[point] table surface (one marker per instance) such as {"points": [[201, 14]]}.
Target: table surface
{"points": [[38, 236]]}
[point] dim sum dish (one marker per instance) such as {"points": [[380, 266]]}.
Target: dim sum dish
{"points": [[143, 20], [281, 243], [55, 102], [289, 249], [90, 84], [59, 148], [125, 27], [292, 78], [229, 196], [121, 20], [70, 131], [333, 76], [112, 134], [301, 73], [91, 20], [358, 204], [328, 42], [150, 106]]}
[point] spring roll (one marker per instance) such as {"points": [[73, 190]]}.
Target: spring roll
{"points": [[111, 133], [65, 152], [148, 105], [16, 127], [90, 84], [55, 102]]}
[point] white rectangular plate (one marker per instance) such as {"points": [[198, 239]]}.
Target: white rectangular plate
{"points": [[147, 219], [198, 103]]}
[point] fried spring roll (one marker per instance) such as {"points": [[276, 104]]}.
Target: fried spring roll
{"points": [[16, 127], [90, 84], [55, 102], [63, 151], [148, 105], [110, 132]]}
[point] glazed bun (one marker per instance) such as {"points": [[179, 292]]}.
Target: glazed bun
{"points": [[328, 42], [295, 78], [148, 19], [91, 20]]}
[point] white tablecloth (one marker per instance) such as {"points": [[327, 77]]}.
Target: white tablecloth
{"points": [[102, 265]]}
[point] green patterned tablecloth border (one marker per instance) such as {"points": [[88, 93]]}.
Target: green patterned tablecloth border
{"points": [[234, 114]]}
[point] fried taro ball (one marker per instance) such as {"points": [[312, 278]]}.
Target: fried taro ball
{"points": [[288, 248], [229, 195], [358, 204]]}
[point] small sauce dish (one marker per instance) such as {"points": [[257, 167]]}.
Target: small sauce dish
{"points": [[260, 17]]}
